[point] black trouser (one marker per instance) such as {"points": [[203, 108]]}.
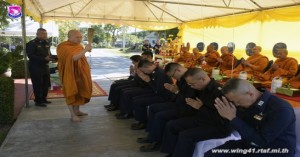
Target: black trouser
{"points": [[115, 90], [140, 104], [159, 115], [128, 94], [240, 145], [40, 83], [181, 135]]}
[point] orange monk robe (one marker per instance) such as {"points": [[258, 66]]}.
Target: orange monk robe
{"points": [[295, 82], [211, 58], [74, 75], [195, 60], [287, 68], [229, 60], [211, 61], [259, 61]]}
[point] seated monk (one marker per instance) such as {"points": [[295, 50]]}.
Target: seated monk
{"points": [[254, 63], [295, 82], [196, 58], [185, 56], [210, 59], [227, 60], [284, 66]]}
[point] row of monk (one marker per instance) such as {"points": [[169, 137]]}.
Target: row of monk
{"points": [[177, 115], [257, 66]]}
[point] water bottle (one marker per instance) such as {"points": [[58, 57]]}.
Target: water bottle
{"points": [[276, 83], [243, 75]]}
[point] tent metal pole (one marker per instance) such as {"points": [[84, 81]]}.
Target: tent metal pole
{"points": [[24, 53], [123, 34]]}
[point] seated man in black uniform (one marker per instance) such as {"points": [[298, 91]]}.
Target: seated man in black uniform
{"points": [[182, 134], [116, 86], [161, 113], [266, 123], [126, 88], [156, 78]]}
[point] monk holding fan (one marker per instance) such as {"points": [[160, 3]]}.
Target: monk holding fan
{"points": [[74, 73]]}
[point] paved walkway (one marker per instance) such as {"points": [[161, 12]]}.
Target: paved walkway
{"points": [[48, 132]]}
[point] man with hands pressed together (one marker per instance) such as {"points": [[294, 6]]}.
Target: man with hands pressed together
{"points": [[181, 135], [265, 122], [161, 113]]}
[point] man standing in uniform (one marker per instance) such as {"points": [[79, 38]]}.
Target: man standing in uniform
{"points": [[266, 123], [38, 51]]}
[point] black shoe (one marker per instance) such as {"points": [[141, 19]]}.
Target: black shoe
{"points": [[41, 104], [112, 108], [108, 106], [143, 140], [124, 116], [138, 126], [169, 155], [47, 102], [150, 147]]}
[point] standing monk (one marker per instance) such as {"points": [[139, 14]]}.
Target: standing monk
{"points": [[74, 73]]}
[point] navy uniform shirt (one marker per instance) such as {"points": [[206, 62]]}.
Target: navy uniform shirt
{"points": [[37, 50], [158, 79], [268, 123]]}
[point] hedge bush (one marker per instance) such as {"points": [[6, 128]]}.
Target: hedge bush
{"points": [[7, 90], [18, 69]]}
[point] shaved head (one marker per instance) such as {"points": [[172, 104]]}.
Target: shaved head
{"points": [[224, 50], [282, 54], [74, 36], [240, 92], [197, 78], [236, 86]]}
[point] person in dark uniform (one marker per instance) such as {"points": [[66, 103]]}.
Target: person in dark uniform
{"points": [[116, 86], [146, 46], [265, 122], [134, 86], [156, 78], [156, 47], [38, 51], [181, 135], [161, 113]]}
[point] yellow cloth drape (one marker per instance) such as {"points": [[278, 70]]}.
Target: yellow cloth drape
{"points": [[280, 14]]}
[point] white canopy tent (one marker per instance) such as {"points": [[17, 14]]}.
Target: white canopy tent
{"points": [[144, 14], [15, 28]]}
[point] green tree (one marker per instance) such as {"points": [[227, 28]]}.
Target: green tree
{"points": [[64, 27], [113, 31], [4, 20]]}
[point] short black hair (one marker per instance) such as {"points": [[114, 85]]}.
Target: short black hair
{"points": [[171, 66], [41, 29], [148, 54], [231, 85], [192, 72], [136, 58], [145, 63]]}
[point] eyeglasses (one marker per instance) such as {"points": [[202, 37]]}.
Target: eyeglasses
{"points": [[174, 72]]}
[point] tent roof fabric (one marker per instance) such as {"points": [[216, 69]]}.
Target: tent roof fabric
{"points": [[144, 14]]}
